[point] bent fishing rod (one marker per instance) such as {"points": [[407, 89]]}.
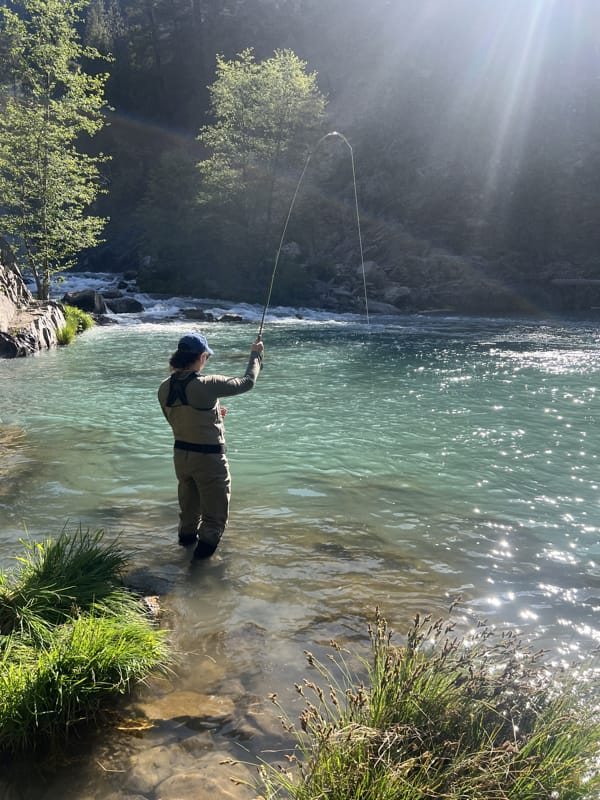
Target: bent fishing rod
{"points": [[287, 220]]}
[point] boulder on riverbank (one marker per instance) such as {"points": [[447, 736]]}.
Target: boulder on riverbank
{"points": [[88, 300], [124, 305], [26, 326]]}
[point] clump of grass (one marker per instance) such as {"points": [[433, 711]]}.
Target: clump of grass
{"points": [[443, 717], [76, 321], [71, 638], [57, 579]]}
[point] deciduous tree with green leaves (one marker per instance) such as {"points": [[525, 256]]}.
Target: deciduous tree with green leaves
{"points": [[266, 116], [48, 104]]}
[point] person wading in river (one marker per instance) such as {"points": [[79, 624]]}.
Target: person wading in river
{"points": [[190, 403]]}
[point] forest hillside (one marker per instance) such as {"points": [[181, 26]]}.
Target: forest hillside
{"points": [[470, 148]]}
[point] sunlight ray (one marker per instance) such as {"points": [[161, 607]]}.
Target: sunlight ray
{"points": [[516, 117]]}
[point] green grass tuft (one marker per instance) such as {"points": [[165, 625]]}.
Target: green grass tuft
{"points": [[440, 718], [71, 637], [77, 321], [58, 579]]}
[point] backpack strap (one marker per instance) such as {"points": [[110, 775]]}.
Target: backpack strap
{"points": [[177, 388]]}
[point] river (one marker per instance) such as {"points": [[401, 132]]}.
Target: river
{"points": [[399, 464]]}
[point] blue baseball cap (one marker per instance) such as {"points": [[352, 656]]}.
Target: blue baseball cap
{"points": [[194, 343]]}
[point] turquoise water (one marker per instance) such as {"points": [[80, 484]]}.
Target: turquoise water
{"points": [[399, 465]]}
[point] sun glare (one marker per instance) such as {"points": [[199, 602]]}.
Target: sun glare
{"points": [[523, 72]]}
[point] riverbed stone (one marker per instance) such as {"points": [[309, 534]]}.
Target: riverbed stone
{"points": [[199, 744], [214, 776], [264, 720], [189, 706], [151, 767], [197, 314], [202, 674]]}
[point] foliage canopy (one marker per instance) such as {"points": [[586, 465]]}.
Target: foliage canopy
{"points": [[47, 102], [266, 115]]}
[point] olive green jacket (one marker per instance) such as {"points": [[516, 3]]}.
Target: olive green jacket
{"points": [[201, 421]]}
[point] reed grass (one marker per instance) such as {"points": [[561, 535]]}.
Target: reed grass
{"points": [[443, 718], [71, 639]]}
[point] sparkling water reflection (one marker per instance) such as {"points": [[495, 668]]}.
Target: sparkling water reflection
{"points": [[400, 465]]}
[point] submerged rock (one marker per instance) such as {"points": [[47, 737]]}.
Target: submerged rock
{"points": [[15, 459], [174, 772], [192, 708], [151, 767], [213, 776]]}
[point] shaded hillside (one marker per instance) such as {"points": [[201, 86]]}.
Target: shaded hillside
{"points": [[474, 132]]}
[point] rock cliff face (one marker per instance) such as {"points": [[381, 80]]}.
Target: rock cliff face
{"points": [[26, 326]]}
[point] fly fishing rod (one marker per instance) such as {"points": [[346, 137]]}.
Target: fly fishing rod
{"points": [[287, 220]]}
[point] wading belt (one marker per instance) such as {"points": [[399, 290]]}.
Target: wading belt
{"points": [[199, 448]]}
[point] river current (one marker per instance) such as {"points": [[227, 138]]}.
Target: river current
{"points": [[400, 464]]}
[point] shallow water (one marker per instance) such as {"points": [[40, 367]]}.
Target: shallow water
{"points": [[398, 465]]}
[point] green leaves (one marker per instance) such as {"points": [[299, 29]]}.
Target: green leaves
{"points": [[266, 116], [263, 112], [47, 102]]}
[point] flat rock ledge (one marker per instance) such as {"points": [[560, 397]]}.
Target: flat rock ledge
{"points": [[26, 326]]}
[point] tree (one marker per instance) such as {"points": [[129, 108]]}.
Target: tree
{"points": [[267, 114], [168, 220], [47, 102]]}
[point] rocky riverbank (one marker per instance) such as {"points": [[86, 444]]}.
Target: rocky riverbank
{"points": [[437, 283], [26, 326], [443, 282], [403, 274]]}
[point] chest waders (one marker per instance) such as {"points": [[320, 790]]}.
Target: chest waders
{"points": [[204, 487], [177, 387]]}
